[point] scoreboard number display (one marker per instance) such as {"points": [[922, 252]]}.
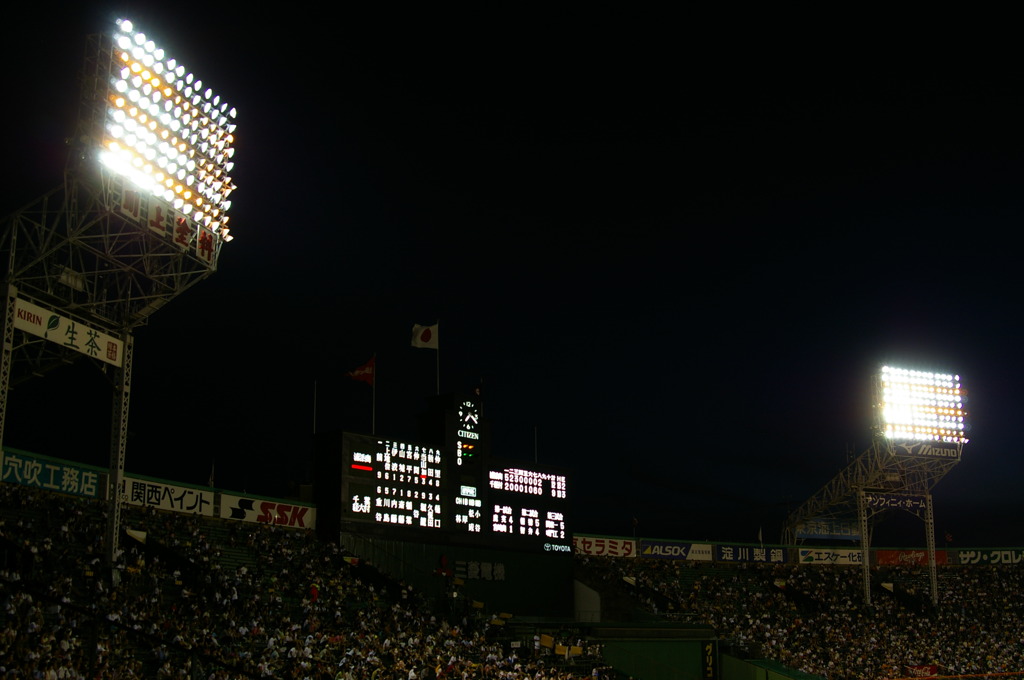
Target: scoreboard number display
{"points": [[423, 491]]}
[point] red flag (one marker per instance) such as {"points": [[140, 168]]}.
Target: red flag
{"points": [[365, 372]]}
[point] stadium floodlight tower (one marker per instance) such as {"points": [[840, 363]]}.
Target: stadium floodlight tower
{"points": [[141, 217], [921, 421], [919, 432]]}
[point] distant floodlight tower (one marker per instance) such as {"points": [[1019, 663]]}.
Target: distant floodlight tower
{"points": [[922, 427], [140, 218], [919, 432]]}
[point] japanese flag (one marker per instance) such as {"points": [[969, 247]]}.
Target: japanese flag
{"points": [[424, 336]]}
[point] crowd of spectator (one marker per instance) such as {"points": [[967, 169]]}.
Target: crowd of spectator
{"points": [[173, 608], [815, 618], [303, 610]]}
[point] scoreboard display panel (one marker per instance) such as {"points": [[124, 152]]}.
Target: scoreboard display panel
{"points": [[392, 482], [528, 503], [421, 492]]}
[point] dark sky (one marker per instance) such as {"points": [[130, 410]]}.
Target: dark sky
{"points": [[673, 251]]}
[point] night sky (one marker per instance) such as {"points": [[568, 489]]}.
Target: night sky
{"points": [[672, 252]]}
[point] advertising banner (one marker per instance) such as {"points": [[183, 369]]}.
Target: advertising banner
{"points": [[894, 501], [671, 550], [830, 556], [927, 451], [51, 474], [989, 556], [263, 511], [828, 528], [136, 491], [751, 553], [604, 547], [908, 557], [66, 332]]}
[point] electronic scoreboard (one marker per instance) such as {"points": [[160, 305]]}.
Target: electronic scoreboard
{"points": [[434, 494]]}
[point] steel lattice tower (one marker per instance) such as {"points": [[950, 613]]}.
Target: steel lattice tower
{"points": [[90, 261]]}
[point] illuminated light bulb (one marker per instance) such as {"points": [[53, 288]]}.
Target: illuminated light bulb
{"points": [[119, 102], [199, 85], [232, 113], [208, 93], [124, 42], [158, 67], [147, 59], [189, 78]]}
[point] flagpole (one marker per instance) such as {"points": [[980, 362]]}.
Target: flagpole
{"points": [[437, 369], [373, 399]]}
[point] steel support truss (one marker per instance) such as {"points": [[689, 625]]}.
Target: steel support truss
{"points": [[885, 471]]}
